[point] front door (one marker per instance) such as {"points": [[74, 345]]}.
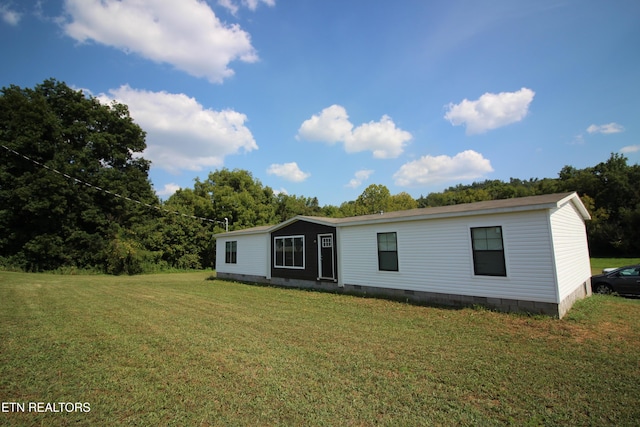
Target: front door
{"points": [[326, 268]]}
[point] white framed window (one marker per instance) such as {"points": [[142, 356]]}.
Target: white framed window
{"points": [[288, 252]]}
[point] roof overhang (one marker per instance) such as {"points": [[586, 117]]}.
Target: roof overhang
{"points": [[506, 206]]}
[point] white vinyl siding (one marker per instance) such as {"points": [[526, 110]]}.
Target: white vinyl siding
{"points": [[251, 258], [436, 256], [571, 251]]}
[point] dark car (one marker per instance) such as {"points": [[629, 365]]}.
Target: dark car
{"points": [[623, 281]]}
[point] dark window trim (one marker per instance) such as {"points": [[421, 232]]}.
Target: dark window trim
{"points": [[231, 252], [488, 256], [387, 251]]}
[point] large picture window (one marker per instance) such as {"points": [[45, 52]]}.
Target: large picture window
{"points": [[289, 252], [231, 252], [387, 252], [488, 251]]}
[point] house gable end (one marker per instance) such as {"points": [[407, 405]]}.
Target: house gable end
{"points": [[301, 232]]}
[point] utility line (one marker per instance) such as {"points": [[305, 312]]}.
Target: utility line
{"points": [[79, 181]]}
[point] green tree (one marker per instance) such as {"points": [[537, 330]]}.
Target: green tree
{"points": [[374, 199], [182, 239], [239, 197], [401, 201], [48, 219], [289, 206]]}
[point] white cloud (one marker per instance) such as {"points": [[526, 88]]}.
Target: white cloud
{"points": [[288, 171], [359, 178], [168, 190], [608, 128], [383, 138], [332, 125], [233, 6], [10, 16], [490, 111], [253, 4], [184, 33], [230, 5], [430, 170], [181, 133], [630, 149]]}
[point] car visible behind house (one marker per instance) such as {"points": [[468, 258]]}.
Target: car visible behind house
{"points": [[622, 281]]}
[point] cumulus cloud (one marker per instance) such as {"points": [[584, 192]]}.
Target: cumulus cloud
{"points": [[490, 111], [9, 16], [181, 133], [184, 33], [288, 171], [630, 149], [608, 128], [430, 170], [233, 6], [332, 125], [168, 190], [359, 177]]}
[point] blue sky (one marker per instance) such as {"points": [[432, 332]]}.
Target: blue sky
{"points": [[325, 97]]}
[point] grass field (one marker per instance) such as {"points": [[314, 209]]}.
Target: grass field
{"points": [[597, 264], [176, 349]]}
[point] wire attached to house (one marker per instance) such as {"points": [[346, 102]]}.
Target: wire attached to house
{"points": [[95, 187]]}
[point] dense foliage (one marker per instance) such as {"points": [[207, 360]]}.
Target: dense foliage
{"points": [[48, 220], [51, 219]]}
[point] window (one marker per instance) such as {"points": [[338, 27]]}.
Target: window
{"points": [[488, 251], [387, 252], [231, 252], [628, 272], [289, 252]]}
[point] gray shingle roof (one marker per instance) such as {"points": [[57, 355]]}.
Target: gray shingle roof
{"points": [[547, 201]]}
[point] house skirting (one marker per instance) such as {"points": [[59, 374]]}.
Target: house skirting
{"points": [[421, 297], [579, 293]]}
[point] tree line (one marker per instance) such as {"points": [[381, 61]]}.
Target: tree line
{"points": [[75, 194]]}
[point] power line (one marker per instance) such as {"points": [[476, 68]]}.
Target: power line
{"points": [[79, 181]]}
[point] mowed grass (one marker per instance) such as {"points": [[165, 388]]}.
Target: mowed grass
{"points": [[176, 349], [597, 264]]}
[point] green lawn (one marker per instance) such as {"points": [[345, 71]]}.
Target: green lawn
{"points": [[176, 349], [597, 264]]}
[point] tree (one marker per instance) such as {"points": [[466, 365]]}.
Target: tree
{"points": [[289, 206], [47, 219], [180, 239], [401, 201], [374, 199], [239, 197]]}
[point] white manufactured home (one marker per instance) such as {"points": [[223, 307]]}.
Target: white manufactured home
{"points": [[526, 254]]}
